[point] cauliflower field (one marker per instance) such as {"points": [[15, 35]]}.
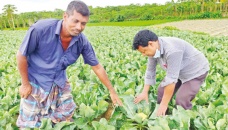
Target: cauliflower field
{"points": [[125, 69]]}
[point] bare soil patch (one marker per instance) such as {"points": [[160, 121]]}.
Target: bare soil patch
{"points": [[213, 27]]}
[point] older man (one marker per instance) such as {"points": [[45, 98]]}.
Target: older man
{"points": [[49, 47]]}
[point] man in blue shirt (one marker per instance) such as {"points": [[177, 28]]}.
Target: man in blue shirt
{"points": [[48, 48]]}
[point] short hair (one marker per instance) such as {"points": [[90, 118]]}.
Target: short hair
{"points": [[78, 6], [142, 38]]}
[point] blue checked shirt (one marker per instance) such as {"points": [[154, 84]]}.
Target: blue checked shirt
{"points": [[47, 61], [179, 59]]}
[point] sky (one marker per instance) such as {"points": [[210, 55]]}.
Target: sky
{"points": [[51, 5]]}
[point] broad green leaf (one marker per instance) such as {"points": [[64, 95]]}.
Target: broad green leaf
{"points": [[162, 122], [128, 126], [199, 124], [95, 125], [155, 127], [70, 127], [9, 126], [61, 125], [138, 118], [2, 121], [102, 125], [117, 118], [86, 111], [102, 106], [129, 108], [103, 121], [81, 122], [14, 110], [153, 115], [46, 124], [129, 91], [221, 124], [144, 107], [211, 123], [182, 116]]}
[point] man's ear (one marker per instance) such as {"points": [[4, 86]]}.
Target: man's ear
{"points": [[65, 15]]}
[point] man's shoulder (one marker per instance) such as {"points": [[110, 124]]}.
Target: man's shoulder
{"points": [[45, 23], [174, 41], [83, 38], [169, 38]]}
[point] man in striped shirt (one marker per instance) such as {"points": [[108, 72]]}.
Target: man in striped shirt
{"points": [[186, 69]]}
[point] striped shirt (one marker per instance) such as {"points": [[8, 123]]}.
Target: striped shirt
{"points": [[179, 59]]}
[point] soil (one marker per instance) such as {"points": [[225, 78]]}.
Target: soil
{"points": [[213, 27], [108, 114]]}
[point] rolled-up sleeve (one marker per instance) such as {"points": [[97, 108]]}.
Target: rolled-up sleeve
{"points": [[89, 55], [173, 68], [150, 75], [29, 43]]}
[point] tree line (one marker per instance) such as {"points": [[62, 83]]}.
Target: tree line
{"points": [[182, 9]]}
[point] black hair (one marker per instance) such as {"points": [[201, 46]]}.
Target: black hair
{"points": [[79, 6], [143, 37]]}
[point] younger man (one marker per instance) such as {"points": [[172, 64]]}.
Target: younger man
{"points": [[186, 69]]}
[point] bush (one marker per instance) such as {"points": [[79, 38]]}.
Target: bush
{"points": [[146, 17], [119, 18], [111, 20], [217, 14], [204, 15]]}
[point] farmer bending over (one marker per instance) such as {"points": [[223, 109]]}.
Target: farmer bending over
{"points": [[186, 69]]}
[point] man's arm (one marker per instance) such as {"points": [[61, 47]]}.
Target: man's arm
{"points": [[102, 75], [25, 89], [149, 80], [168, 93], [174, 61]]}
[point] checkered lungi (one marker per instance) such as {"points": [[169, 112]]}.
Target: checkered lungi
{"points": [[58, 105]]}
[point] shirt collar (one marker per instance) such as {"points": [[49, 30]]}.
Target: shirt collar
{"points": [[160, 42], [58, 29]]}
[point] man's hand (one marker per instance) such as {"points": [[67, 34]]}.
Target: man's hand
{"points": [[25, 90], [115, 98], [101, 74], [162, 110], [143, 95], [140, 97]]}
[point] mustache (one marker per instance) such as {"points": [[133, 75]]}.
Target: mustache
{"points": [[76, 30]]}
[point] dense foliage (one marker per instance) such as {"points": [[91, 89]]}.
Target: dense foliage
{"points": [[183, 9], [125, 69]]}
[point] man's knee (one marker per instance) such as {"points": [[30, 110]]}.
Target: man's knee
{"points": [[184, 101]]}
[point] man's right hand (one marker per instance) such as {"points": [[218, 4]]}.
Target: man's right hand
{"points": [[140, 97], [25, 90]]}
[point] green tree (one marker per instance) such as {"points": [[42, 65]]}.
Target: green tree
{"points": [[8, 11]]}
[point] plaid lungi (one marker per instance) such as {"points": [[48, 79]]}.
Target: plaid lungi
{"points": [[58, 105]]}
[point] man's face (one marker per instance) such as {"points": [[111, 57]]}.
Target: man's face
{"points": [[75, 23], [148, 50]]}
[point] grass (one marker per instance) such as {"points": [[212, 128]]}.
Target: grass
{"points": [[132, 23]]}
